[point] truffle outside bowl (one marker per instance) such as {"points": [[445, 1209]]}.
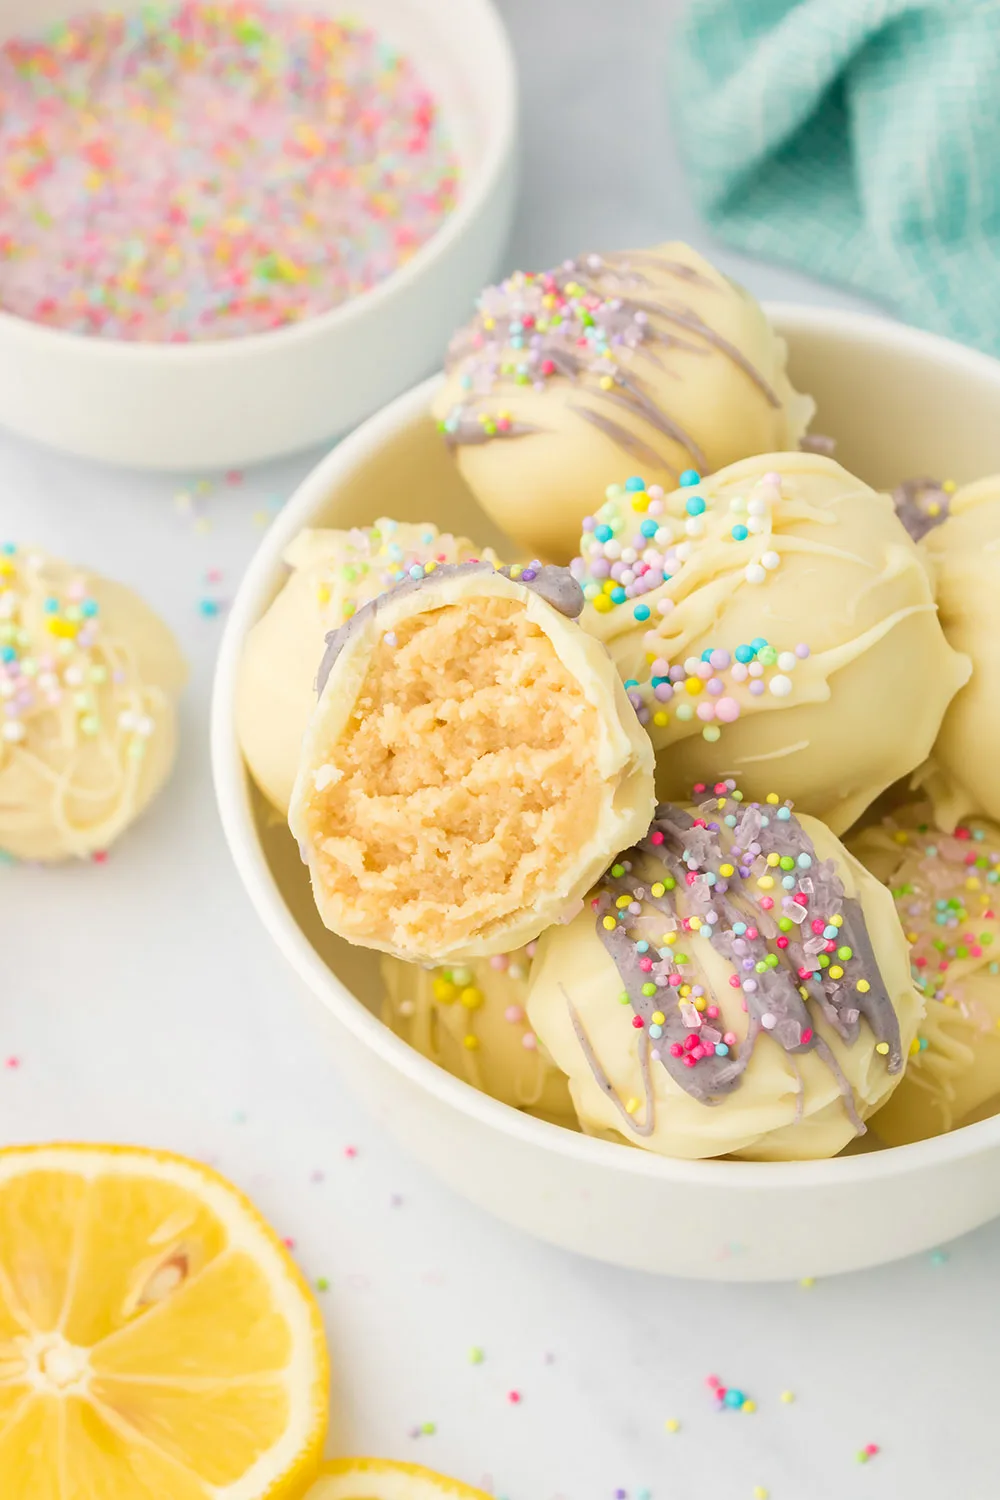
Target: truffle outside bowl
{"points": [[898, 402], [237, 401]]}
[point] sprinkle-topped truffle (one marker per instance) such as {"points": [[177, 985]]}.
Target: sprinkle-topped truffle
{"points": [[737, 984], [87, 680], [946, 887], [563, 376], [775, 611]]}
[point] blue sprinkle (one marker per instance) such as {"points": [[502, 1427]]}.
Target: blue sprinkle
{"points": [[730, 820], [739, 533], [831, 933], [51, 606], [603, 532], [721, 1050], [618, 595], [734, 1398], [804, 861], [631, 682], [7, 653], [656, 1032], [758, 643], [208, 607], [649, 528], [739, 928], [641, 612], [635, 483], [642, 946], [695, 506], [789, 882], [710, 877], [689, 477], [784, 814], [744, 654], [89, 608], [8, 549]]}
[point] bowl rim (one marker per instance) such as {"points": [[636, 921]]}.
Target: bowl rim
{"points": [[480, 187], [232, 790]]}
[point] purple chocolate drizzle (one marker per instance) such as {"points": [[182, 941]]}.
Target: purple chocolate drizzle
{"points": [[921, 505], [807, 901], [556, 586], [504, 345]]}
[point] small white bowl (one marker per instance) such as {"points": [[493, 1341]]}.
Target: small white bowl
{"points": [[898, 402], [238, 401]]}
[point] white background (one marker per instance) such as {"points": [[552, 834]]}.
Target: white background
{"points": [[143, 1004]]}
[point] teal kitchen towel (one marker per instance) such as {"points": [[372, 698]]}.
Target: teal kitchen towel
{"points": [[856, 139]]}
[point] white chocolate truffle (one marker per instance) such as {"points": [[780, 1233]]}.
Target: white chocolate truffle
{"points": [[88, 681], [964, 548], [470, 1019], [333, 573], [737, 985], [472, 764], [946, 887], [646, 360], [774, 623]]}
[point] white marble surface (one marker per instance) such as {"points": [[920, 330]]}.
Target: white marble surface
{"points": [[141, 1003]]}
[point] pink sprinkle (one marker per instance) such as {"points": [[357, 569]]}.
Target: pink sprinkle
{"points": [[350, 1152], [513, 1014], [529, 1041]]}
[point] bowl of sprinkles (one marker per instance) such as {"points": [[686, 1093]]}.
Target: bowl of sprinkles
{"points": [[231, 230], [806, 915]]}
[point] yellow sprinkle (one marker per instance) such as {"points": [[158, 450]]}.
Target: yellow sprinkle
{"points": [[788, 1397], [623, 901], [862, 986], [430, 565], [609, 924], [766, 882], [700, 1003], [608, 585], [836, 921], [807, 1282], [640, 502], [835, 972], [659, 1018], [602, 604], [915, 1045], [661, 719], [901, 836], [65, 629], [949, 486], [882, 1048], [669, 939], [659, 889], [606, 383], [749, 1405], [694, 686], [672, 1424], [726, 870], [803, 992], [911, 937], [772, 797], [685, 991], [471, 998], [631, 1106], [972, 884], [760, 1493], [950, 1001], [322, 594], [444, 991], [695, 924], [470, 1043], [516, 570]]}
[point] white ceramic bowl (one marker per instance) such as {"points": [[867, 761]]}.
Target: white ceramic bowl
{"points": [[237, 401], [898, 402]]}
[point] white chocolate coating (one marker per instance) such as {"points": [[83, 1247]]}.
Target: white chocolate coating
{"points": [[471, 766], [647, 361], [786, 1104], [847, 693], [962, 774], [88, 681], [947, 888], [333, 573], [471, 1021]]}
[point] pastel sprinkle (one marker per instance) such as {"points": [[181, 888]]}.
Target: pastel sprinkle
{"points": [[204, 171]]}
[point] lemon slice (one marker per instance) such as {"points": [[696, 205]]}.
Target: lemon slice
{"points": [[156, 1340], [381, 1479]]}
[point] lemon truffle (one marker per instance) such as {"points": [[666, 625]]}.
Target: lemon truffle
{"points": [[89, 676], [946, 887], [470, 1019], [565, 379], [964, 549], [774, 623], [472, 764], [333, 573], [736, 985]]}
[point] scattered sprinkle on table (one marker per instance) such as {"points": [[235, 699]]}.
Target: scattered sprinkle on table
{"points": [[672, 1424], [203, 171], [867, 1452], [476, 1355]]}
